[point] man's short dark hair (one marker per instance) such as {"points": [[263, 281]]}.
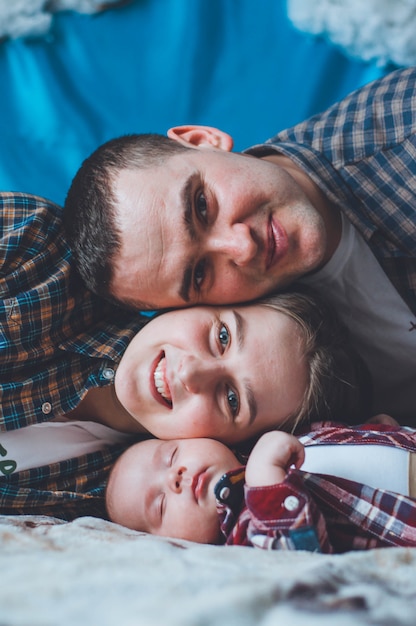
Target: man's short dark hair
{"points": [[90, 205]]}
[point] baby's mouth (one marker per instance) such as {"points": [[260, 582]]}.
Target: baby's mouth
{"points": [[161, 383]]}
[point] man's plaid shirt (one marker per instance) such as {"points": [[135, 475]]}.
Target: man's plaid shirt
{"points": [[361, 152], [319, 512], [67, 489], [57, 340]]}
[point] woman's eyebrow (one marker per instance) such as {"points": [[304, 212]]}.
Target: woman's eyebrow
{"points": [[240, 325]]}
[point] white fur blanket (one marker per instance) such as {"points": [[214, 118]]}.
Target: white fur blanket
{"points": [[382, 30], [31, 18], [90, 572]]}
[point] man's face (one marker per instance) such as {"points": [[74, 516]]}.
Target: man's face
{"points": [[211, 226], [167, 488]]}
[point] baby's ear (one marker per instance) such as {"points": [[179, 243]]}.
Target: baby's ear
{"points": [[201, 137]]}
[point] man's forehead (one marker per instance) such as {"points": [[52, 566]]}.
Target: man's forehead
{"points": [[136, 193], [155, 261]]}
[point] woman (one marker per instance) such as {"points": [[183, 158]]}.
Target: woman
{"points": [[231, 373], [228, 373]]}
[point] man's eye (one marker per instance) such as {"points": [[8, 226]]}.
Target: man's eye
{"points": [[233, 401], [224, 336], [201, 208], [199, 275]]}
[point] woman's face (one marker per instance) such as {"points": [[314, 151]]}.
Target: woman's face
{"points": [[226, 373]]}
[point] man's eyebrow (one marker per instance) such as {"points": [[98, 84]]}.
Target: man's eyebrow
{"points": [[251, 400], [186, 203], [240, 325], [186, 283]]}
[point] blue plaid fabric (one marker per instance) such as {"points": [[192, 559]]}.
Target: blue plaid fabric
{"points": [[56, 341], [361, 152], [56, 338], [67, 489]]}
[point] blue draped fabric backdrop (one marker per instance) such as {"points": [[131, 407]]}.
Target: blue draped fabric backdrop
{"points": [[236, 64]]}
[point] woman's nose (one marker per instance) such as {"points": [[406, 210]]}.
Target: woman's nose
{"points": [[197, 373]]}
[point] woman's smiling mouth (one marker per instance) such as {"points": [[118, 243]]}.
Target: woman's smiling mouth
{"points": [[161, 385]]}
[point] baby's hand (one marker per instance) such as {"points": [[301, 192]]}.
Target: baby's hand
{"points": [[383, 418], [272, 456]]}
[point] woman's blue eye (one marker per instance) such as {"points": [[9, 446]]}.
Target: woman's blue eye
{"points": [[232, 399], [224, 336], [201, 207]]}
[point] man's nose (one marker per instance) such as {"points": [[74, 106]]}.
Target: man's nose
{"points": [[236, 243], [197, 373]]}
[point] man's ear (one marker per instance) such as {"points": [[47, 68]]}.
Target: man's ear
{"points": [[201, 136]]}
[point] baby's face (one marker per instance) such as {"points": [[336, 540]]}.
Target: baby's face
{"points": [[167, 487]]}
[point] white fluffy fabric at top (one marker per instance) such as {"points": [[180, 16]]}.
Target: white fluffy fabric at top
{"points": [[31, 18], [380, 30]]}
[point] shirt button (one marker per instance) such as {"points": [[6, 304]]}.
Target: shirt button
{"points": [[46, 408], [291, 503], [108, 373]]}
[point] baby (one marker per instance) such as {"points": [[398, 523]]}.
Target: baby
{"points": [[197, 489]]}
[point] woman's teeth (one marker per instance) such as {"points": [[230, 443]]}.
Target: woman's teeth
{"points": [[160, 381]]}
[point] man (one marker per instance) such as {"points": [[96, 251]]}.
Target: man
{"points": [[330, 201]]}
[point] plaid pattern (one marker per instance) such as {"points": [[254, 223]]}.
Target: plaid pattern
{"points": [[332, 514], [67, 489], [362, 153], [56, 338]]}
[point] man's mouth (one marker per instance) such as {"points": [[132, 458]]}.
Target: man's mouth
{"points": [[161, 384], [277, 243]]}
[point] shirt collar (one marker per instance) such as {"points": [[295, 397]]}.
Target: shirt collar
{"points": [[104, 340]]}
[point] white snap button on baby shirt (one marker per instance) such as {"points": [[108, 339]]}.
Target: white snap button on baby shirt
{"points": [[291, 503]]}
